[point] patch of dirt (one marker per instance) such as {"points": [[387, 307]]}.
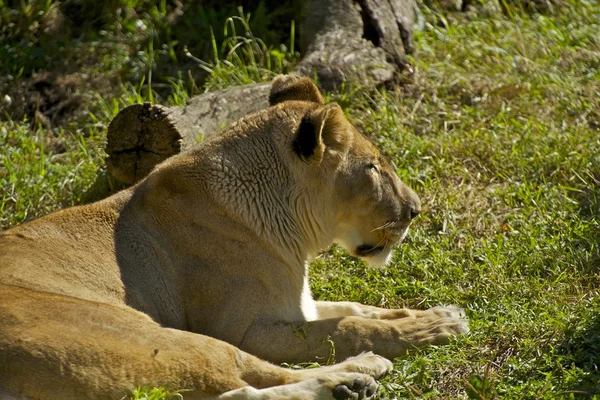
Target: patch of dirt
{"points": [[50, 99]]}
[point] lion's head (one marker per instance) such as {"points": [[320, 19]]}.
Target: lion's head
{"points": [[346, 176]]}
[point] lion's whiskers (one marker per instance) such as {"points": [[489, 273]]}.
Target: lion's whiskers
{"points": [[384, 226]]}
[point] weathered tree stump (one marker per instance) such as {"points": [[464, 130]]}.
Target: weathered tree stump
{"points": [[142, 135], [362, 41]]}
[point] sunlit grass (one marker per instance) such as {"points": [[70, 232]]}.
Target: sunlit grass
{"points": [[498, 133], [41, 170], [497, 130]]}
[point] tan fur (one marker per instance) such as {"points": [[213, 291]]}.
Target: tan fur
{"points": [[214, 243]]}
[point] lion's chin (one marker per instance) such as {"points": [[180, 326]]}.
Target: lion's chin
{"points": [[375, 256]]}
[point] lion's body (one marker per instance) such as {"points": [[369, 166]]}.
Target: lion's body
{"points": [[215, 241]]}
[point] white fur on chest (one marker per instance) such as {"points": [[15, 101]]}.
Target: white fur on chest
{"points": [[309, 306], [303, 310]]}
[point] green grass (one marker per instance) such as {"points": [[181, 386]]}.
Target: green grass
{"points": [[498, 133], [41, 171], [149, 393], [497, 129]]}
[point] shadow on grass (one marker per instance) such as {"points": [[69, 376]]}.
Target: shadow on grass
{"points": [[582, 349], [99, 190]]}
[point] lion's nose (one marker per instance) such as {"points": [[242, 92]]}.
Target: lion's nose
{"points": [[414, 213], [414, 203], [409, 202]]}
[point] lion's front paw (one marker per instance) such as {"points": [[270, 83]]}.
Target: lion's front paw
{"points": [[450, 311], [443, 322], [433, 326], [452, 319], [398, 313]]}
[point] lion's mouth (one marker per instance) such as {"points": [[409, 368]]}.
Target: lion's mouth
{"points": [[392, 237], [365, 250]]}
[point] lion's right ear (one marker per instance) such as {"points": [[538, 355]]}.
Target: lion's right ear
{"points": [[326, 128], [290, 87]]}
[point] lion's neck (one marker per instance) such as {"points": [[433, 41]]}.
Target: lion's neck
{"points": [[314, 221], [253, 184]]}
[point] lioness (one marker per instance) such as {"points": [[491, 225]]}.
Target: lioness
{"points": [[215, 243]]}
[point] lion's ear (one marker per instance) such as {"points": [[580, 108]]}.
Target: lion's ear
{"points": [[290, 87], [324, 128]]}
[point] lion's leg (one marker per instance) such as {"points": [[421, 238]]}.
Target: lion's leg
{"points": [[335, 386], [54, 346], [348, 336], [337, 309]]}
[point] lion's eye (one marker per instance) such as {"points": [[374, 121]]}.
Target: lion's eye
{"points": [[372, 167]]}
